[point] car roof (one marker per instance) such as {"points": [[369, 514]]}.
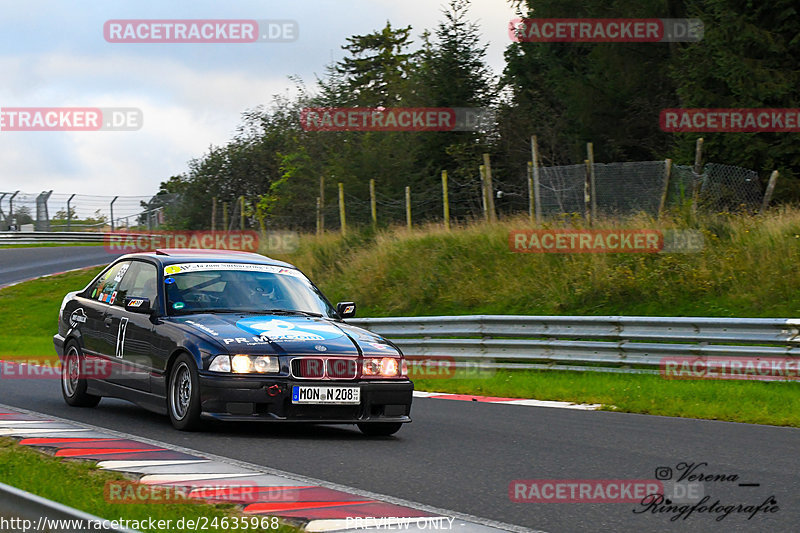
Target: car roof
{"points": [[170, 256]]}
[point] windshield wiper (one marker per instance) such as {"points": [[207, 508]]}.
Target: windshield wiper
{"points": [[293, 312]]}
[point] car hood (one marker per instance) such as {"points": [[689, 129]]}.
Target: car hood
{"points": [[284, 335]]}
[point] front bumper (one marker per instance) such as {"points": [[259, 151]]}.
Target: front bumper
{"points": [[240, 398], [58, 343]]}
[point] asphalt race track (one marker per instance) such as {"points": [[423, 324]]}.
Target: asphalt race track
{"points": [[462, 455], [18, 264]]}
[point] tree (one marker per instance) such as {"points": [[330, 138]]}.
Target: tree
{"points": [[453, 74], [748, 59], [376, 70]]}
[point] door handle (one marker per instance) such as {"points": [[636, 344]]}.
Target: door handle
{"points": [[107, 322]]}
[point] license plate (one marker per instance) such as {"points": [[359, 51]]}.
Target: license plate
{"points": [[326, 395]]}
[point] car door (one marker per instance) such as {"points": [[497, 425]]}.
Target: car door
{"points": [[95, 332], [135, 343]]}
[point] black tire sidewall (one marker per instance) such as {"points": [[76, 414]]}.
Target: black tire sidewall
{"points": [[79, 398], [191, 420]]}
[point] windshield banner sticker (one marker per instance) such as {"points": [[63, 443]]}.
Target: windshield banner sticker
{"points": [[183, 268]]}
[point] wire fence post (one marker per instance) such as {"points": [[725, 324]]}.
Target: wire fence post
{"points": [[319, 214], [531, 200], [213, 213], [536, 195], [241, 212], [322, 203], [342, 220], [592, 188], [489, 188], [770, 189], [698, 169], [69, 213], [445, 201], [373, 204], [112, 212], [225, 216], [587, 195], [483, 194], [665, 190], [408, 206]]}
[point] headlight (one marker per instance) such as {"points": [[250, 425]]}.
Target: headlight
{"points": [[245, 364], [384, 367]]}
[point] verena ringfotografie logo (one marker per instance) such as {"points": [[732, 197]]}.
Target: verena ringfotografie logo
{"points": [[583, 490], [586, 30], [733, 368], [200, 31], [70, 119], [736, 120], [395, 118], [246, 241], [566, 241]]}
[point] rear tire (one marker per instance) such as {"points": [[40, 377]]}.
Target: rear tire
{"points": [[380, 429], [183, 394], [73, 386]]}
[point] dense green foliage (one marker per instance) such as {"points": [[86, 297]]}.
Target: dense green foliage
{"points": [[565, 93]]}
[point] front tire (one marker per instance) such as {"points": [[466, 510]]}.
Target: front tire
{"points": [[380, 429], [183, 394], [73, 386]]}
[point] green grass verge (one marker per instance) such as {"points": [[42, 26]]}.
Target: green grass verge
{"points": [[80, 484], [748, 268], [755, 402], [30, 314]]}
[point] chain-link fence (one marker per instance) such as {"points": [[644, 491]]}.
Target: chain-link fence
{"points": [[616, 189], [625, 188], [49, 211]]}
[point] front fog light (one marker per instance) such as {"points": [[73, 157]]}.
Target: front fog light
{"points": [[221, 363]]}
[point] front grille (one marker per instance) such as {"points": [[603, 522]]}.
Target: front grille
{"points": [[309, 368], [324, 368]]}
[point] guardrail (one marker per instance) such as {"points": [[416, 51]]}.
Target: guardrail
{"points": [[29, 237], [597, 343], [43, 515]]}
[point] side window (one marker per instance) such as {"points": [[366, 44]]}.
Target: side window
{"points": [[105, 288], [140, 281]]}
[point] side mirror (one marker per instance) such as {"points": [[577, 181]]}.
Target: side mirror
{"points": [[346, 309], [136, 304]]}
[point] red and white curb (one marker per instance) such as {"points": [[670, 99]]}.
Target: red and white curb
{"points": [[507, 401], [318, 505]]}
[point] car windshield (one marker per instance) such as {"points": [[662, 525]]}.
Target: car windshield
{"points": [[245, 288]]}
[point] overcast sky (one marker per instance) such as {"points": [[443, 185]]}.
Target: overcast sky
{"points": [[191, 95]]}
